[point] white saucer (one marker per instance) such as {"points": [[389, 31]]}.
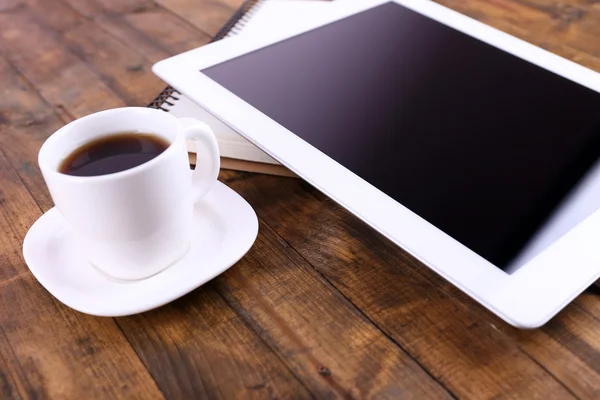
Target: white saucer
{"points": [[225, 227]]}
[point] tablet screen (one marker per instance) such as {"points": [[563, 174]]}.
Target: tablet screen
{"points": [[483, 145]]}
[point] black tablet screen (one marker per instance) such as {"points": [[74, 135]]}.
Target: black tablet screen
{"points": [[482, 144]]}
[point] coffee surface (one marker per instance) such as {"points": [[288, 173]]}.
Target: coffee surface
{"points": [[115, 153]]}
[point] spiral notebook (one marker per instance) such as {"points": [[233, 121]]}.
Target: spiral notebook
{"points": [[254, 17]]}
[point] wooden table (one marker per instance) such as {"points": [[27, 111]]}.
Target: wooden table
{"points": [[322, 306]]}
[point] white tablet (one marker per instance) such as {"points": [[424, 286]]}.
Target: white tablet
{"points": [[474, 151]]}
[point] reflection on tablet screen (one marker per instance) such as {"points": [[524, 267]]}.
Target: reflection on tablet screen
{"points": [[489, 148]]}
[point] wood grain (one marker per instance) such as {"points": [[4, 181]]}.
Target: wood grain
{"points": [[25, 121], [125, 72], [94, 8], [206, 15], [154, 33], [315, 330], [47, 63], [569, 348], [144, 26], [57, 66], [568, 28], [198, 347], [397, 293], [45, 347]]}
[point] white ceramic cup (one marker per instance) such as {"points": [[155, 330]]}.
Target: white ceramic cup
{"points": [[134, 223]]}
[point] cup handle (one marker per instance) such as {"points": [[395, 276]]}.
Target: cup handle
{"points": [[208, 162]]}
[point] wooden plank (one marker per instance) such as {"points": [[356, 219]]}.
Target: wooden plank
{"points": [[569, 347], [317, 332], [12, 375], [48, 350], [207, 15], [198, 347], [148, 29], [94, 8], [62, 79], [58, 353], [81, 68], [53, 16], [14, 206], [568, 28], [572, 23], [452, 337], [18, 212], [126, 72], [156, 34], [25, 122]]}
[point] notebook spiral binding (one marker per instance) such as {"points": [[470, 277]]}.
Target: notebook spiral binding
{"points": [[169, 95], [246, 16]]}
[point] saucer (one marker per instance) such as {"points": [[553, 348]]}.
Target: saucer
{"points": [[225, 227]]}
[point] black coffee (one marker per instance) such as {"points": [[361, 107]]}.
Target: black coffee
{"points": [[114, 153]]}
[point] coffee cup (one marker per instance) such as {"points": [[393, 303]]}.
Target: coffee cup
{"points": [[134, 223]]}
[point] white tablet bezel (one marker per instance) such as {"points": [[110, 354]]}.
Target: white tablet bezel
{"points": [[527, 298]]}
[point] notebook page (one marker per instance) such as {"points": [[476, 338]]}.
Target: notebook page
{"points": [[287, 16]]}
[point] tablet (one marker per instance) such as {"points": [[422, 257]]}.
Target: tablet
{"points": [[474, 151]]}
